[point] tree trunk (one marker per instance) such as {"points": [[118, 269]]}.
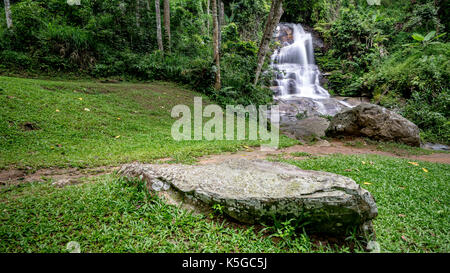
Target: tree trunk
{"points": [[158, 26], [167, 22], [207, 11], [216, 30], [221, 13], [138, 19], [273, 19], [9, 22], [219, 21]]}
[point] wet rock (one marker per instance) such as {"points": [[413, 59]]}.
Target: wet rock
{"points": [[257, 191], [317, 41], [305, 129], [435, 146], [353, 101], [284, 34], [375, 122], [290, 108]]}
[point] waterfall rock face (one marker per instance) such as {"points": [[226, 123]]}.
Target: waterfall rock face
{"points": [[297, 86], [255, 191], [375, 122], [298, 75]]}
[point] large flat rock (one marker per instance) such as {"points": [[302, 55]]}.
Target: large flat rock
{"points": [[254, 191]]}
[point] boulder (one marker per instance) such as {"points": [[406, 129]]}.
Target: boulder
{"points": [[309, 107], [257, 191], [353, 101], [375, 122], [305, 129], [435, 146]]}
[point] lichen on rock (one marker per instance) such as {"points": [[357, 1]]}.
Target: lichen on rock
{"points": [[256, 191]]}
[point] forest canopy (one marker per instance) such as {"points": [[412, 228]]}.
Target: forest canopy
{"points": [[394, 52]]}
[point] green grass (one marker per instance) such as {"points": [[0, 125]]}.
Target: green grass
{"points": [[399, 149], [411, 202], [125, 122], [111, 215], [108, 214], [300, 154], [404, 150]]}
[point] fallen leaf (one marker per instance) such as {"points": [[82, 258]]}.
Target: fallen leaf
{"points": [[116, 136], [425, 170], [414, 163], [87, 109], [402, 188], [363, 162], [401, 215], [57, 110], [347, 170], [367, 183], [118, 118], [80, 98]]}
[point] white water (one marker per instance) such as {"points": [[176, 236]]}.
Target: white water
{"points": [[298, 74]]}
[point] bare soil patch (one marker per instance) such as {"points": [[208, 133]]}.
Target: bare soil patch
{"points": [[59, 177], [322, 149], [62, 177]]}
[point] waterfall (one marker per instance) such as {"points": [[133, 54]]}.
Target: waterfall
{"points": [[297, 73]]}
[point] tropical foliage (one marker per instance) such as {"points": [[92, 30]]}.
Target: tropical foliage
{"points": [[395, 52]]}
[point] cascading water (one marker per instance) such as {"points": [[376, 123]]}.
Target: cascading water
{"points": [[298, 75], [297, 87]]}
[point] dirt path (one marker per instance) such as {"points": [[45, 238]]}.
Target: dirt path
{"points": [[60, 177], [69, 176], [324, 148]]}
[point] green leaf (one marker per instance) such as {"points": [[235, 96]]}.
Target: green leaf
{"points": [[374, 2], [439, 36], [411, 44], [429, 35], [417, 37]]}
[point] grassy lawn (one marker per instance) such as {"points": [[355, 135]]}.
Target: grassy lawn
{"points": [[413, 201], [110, 215], [80, 123], [126, 122]]}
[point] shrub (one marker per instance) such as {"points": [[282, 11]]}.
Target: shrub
{"points": [[421, 75]]}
